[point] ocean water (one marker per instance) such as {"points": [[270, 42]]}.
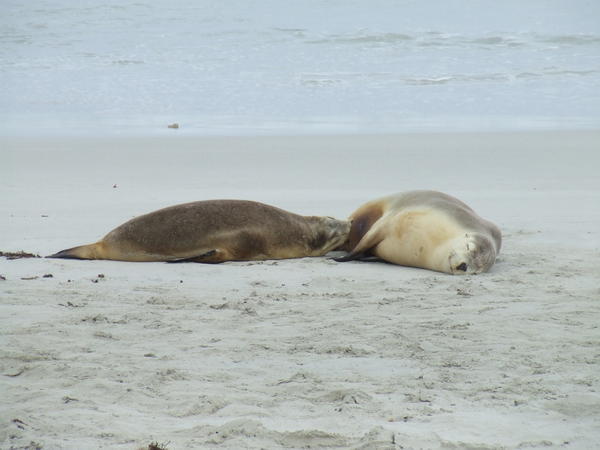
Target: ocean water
{"points": [[312, 66]]}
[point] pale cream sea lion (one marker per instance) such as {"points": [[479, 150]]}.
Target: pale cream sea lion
{"points": [[215, 231], [426, 229]]}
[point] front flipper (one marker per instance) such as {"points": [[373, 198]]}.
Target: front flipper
{"points": [[369, 241], [351, 257], [364, 257], [214, 256]]}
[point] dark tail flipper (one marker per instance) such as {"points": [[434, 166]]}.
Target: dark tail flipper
{"points": [[80, 252]]}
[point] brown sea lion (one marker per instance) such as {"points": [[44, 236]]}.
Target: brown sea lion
{"points": [[214, 231], [426, 229]]}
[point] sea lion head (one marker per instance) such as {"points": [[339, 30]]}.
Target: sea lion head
{"points": [[475, 253], [329, 233]]}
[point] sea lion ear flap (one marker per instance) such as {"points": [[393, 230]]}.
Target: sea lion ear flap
{"points": [[370, 240]]}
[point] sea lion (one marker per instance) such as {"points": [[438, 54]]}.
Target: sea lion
{"points": [[426, 229], [215, 231]]}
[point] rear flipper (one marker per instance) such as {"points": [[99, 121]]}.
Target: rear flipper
{"points": [[214, 256], [81, 252], [367, 243]]}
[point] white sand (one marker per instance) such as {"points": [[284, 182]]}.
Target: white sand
{"points": [[309, 352]]}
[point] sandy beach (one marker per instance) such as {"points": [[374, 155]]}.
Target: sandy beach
{"points": [[304, 353]]}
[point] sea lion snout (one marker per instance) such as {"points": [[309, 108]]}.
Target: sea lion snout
{"points": [[331, 233], [474, 255], [339, 230], [339, 227]]}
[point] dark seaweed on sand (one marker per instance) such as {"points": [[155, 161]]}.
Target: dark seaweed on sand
{"points": [[18, 255], [157, 446]]}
